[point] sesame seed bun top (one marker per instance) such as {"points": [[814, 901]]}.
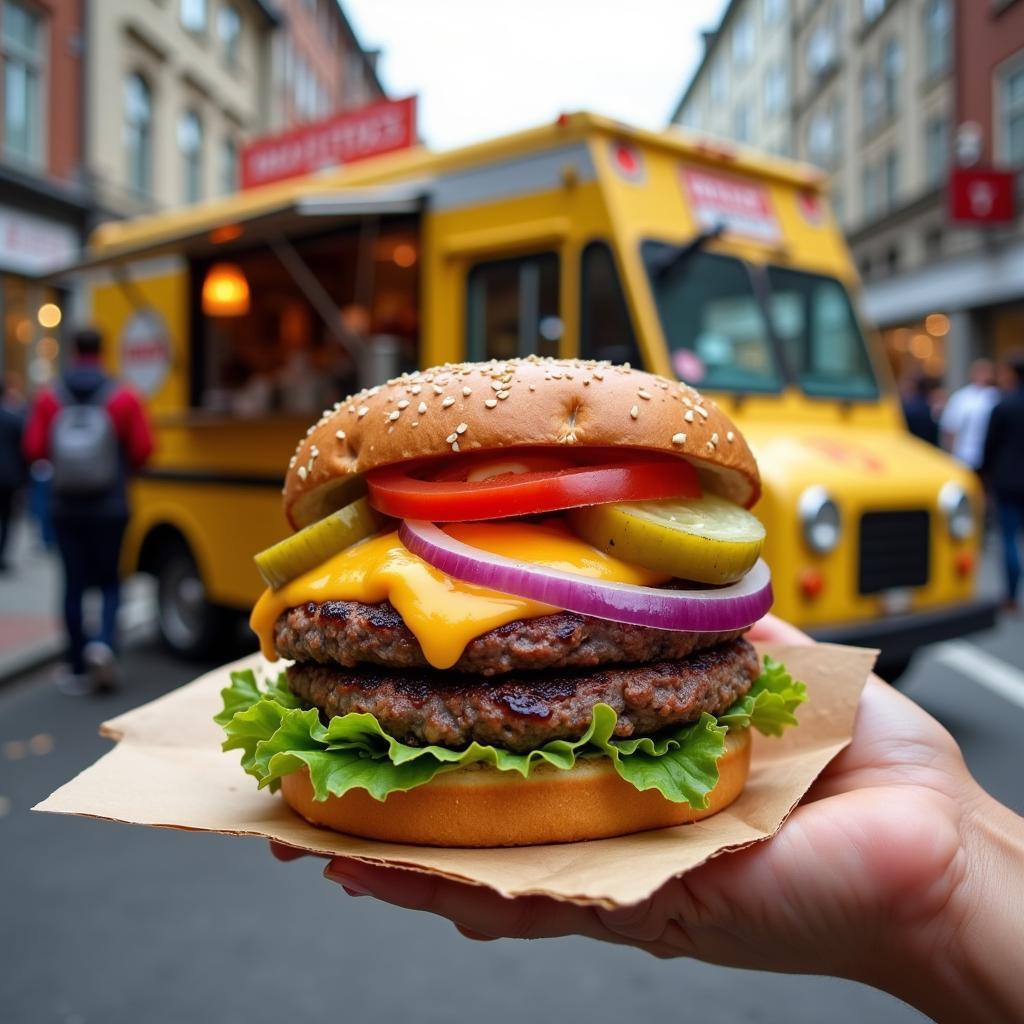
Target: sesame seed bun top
{"points": [[466, 407]]}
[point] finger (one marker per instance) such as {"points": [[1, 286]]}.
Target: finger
{"points": [[772, 629], [472, 908], [283, 852]]}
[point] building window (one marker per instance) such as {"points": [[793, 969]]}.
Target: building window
{"points": [[936, 150], [870, 184], [775, 89], [892, 179], [193, 15], [743, 41], [719, 81], [512, 308], [228, 166], [741, 122], [938, 32], [873, 9], [821, 50], [870, 98], [229, 30], [21, 52], [138, 134], [1011, 115], [773, 11], [892, 70], [822, 136], [190, 144]]}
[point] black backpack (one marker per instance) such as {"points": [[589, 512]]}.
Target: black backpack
{"points": [[84, 449]]}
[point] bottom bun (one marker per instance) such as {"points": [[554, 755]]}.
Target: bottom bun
{"points": [[481, 806]]}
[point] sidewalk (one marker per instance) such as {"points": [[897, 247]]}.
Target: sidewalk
{"points": [[31, 633]]}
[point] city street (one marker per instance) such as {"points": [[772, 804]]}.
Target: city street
{"points": [[109, 923]]}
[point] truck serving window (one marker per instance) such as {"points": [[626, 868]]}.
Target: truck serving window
{"points": [[512, 308], [605, 328], [713, 322], [823, 344]]}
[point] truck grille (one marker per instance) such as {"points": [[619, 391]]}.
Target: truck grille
{"points": [[894, 550]]}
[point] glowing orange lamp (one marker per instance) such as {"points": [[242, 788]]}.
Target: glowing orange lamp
{"points": [[225, 291]]}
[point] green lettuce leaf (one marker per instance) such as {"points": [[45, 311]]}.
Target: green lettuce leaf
{"points": [[278, 735]]}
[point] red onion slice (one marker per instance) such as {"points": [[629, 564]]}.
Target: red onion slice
{"points": [[701, 611]]}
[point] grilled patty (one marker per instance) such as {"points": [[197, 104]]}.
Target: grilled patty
{"points": [[524, 711], [350, 633]]}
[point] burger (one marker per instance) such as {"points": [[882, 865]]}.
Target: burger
{"points": [[513, 611]]}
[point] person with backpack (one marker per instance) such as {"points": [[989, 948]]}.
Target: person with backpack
{"points": [[95, 434]]}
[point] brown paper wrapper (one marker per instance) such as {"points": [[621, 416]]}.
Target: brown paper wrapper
{"points": [[168, 770]]}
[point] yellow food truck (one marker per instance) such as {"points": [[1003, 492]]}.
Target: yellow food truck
{"points": [[242, 318]]}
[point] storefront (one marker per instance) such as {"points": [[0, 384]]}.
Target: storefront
{"points": [[32, 314]]}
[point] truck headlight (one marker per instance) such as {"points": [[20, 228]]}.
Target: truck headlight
{"points": [[956, 507], [819, 519]]}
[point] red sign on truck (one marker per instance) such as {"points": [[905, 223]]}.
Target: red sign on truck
{"points": [[740, 206], [370, 131]]}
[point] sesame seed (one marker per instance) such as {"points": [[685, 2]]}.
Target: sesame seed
{"points": [[415, 423], [491, 403], [688, 415], [438, 390], [462, 428], [533, 387], [702, 411], [497, 385], [730, 437], [452, 438], [313, 451], [302, 472], [635, 411], [644, 394], [362, 411], [351, 408], [714, 439], [686, 401], [679, 439], [421, 408], [598, 375], [340, 435], [415, 389], [403, 404], [292, 461], [502, 395], [447, 402], [455, 446], [710, 447], [392, 416], [466, 392]]}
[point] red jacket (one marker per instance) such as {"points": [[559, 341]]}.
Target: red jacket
{"points": [[126, 412]]}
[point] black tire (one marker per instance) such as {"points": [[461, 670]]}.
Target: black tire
{"points": [[190, 624]]}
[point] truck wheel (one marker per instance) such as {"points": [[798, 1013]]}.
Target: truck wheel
{"points": [[190, 624]]}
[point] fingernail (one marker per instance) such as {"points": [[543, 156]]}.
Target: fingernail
{"points": [[352, 886]]}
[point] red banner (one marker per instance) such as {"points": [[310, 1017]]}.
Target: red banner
{"points": [[740, 205], [981, 196], [355, 135]]}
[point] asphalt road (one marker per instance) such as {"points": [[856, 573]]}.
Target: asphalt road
{"points": [[108, 923]]}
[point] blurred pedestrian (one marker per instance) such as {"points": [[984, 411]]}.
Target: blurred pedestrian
{"points": [[12, 464], [916, 393], [964, 421], [94, 433], [1003, 467]]}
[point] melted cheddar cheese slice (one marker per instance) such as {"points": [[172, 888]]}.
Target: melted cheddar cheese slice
{"points": [[443, 614]]}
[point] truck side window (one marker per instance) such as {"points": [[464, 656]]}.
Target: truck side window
{"points": [[512, 308], [605, 328]]}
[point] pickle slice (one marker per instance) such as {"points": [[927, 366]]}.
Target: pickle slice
{"points": [[315, 543], [708, 539]]}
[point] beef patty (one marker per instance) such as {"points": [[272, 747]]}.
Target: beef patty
{"points": [[350, 633], [524, 711]]}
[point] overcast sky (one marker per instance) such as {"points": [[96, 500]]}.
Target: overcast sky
{"points": [[486, 67]]}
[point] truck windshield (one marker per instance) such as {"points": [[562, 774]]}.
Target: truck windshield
{"points": [[824, 347], [726, 334], [713, 323]]}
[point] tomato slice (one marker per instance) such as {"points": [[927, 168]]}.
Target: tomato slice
{"points": [[496, 485]]}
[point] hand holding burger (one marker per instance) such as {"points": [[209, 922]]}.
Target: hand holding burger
{"points": [[515, 606]]}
